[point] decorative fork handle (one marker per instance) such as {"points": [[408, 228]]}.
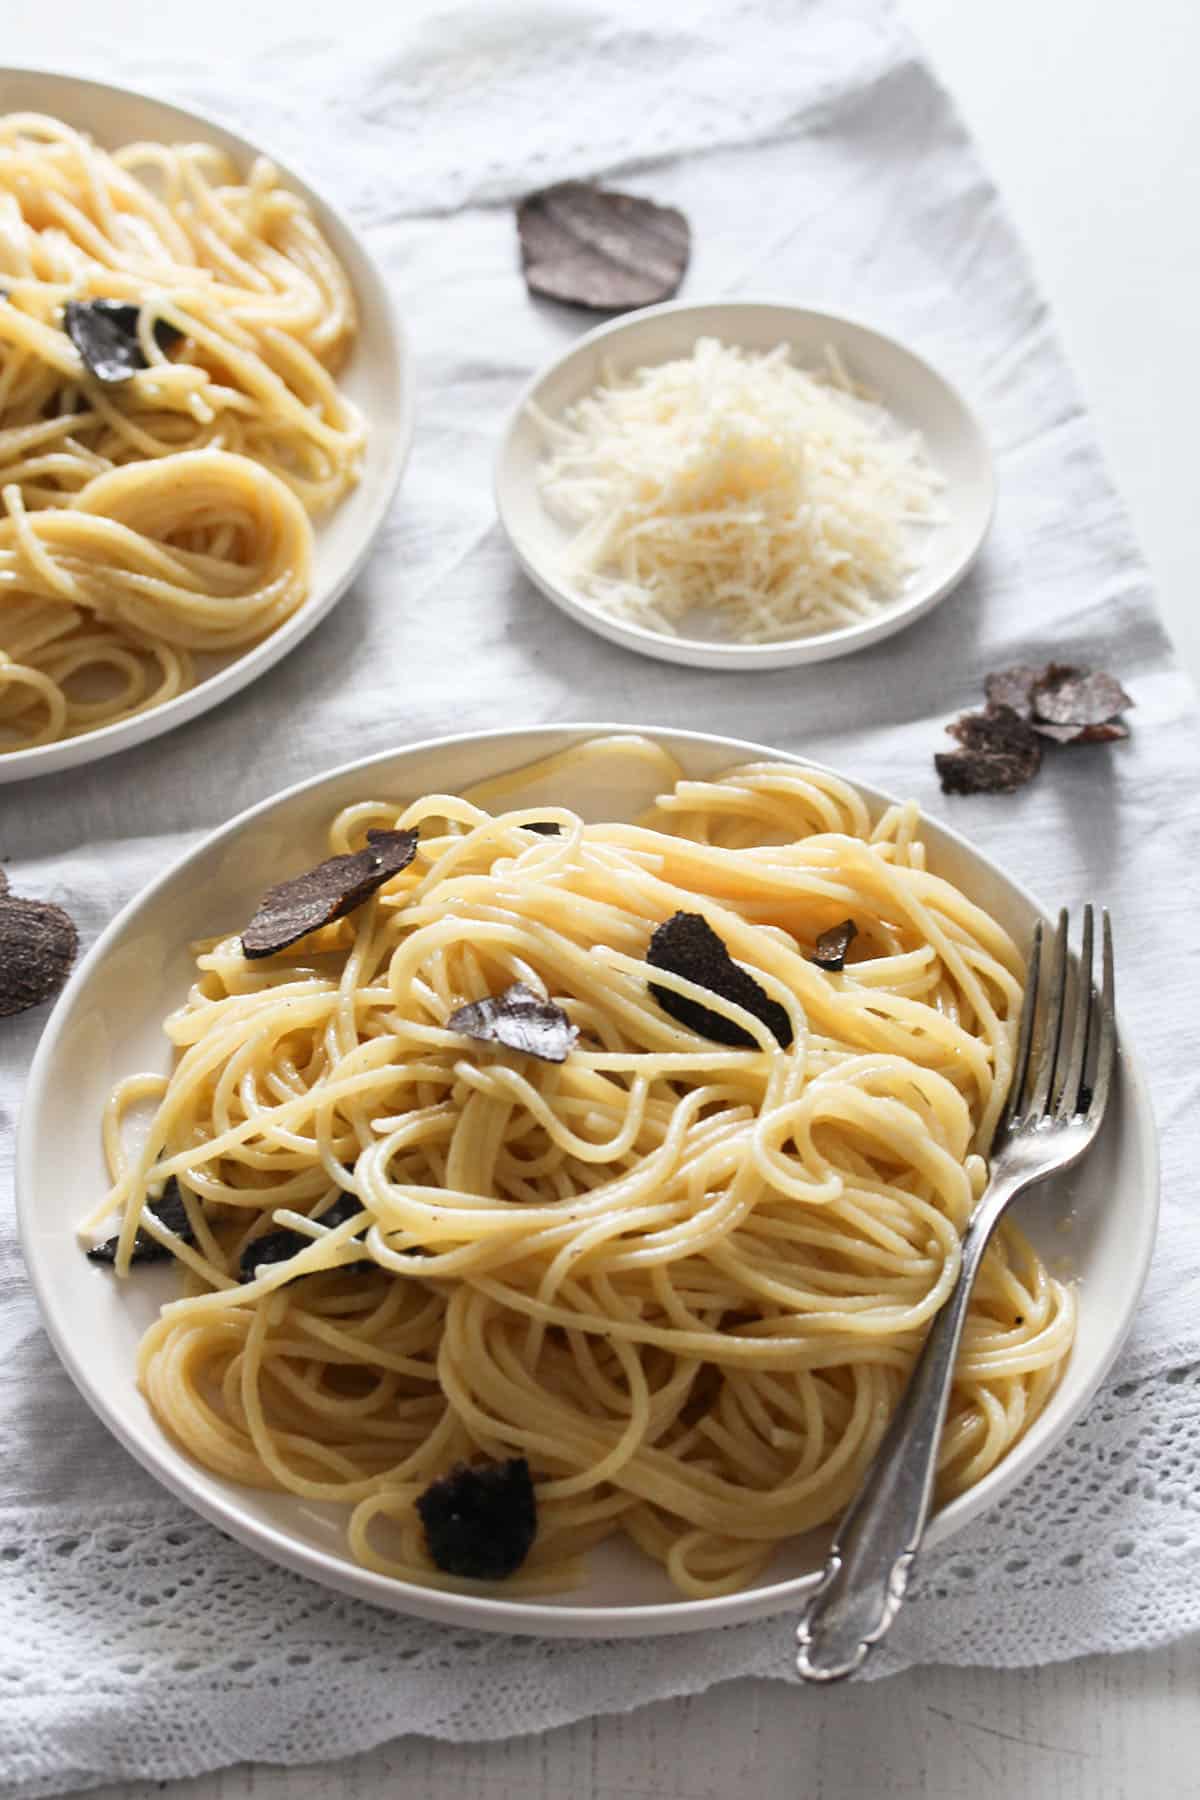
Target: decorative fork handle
{"points": [[873, 1554]]}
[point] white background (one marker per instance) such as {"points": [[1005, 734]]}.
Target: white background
{"points": [[1086, 115]]}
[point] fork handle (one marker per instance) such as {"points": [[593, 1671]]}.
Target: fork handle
{"points": [[872, 1557]]}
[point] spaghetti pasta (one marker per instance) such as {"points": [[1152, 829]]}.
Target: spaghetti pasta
{"points": [[166, 515], [684, 1280]]}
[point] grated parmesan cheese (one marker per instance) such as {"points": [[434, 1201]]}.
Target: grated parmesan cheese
{"points": [[732, 494]]}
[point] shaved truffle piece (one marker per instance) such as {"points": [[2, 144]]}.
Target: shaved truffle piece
{"points": [[593, 247], [38, 944], [272, 1247], [1000, 754], [480, 1522], [1108, 733], [687, 945], [833, 944], [1067, 704], [1078, 705], [966, 772], [1001, 750], [283, 1243], [997, 730], [3, 883], [341, 1209], [105, 333], [545, 828], [1013, 687], [170, 1211], [1063, 695], [520, 1020], [969, 772], [292, 909]]}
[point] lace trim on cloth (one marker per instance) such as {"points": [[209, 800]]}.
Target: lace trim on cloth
{"points": [[430, 113], [124, 1635]]}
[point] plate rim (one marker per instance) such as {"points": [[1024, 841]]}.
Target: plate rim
{"points": [[713, 654], [485, 1612], [223, 684]]}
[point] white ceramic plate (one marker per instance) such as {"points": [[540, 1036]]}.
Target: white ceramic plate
{"points": [[1098, 1222], [915, 394], [377, 378]]}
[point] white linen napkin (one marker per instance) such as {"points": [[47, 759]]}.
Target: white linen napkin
{"points": [[818, 161]]}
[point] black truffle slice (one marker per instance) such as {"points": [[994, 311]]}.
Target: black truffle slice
{"points": [[1000, 753], [284, 1243], [38, 944], [996, 731], [591, 246], [687, 945], [105, 333], [292, 909], [1013, 687], [480, 1522], [545, 828], [520, 1020], [1078, 705], [170, 1211], [833, 944]]}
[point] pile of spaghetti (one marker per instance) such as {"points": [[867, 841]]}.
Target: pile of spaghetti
{"points": [[682, 1279], [155, 506]]}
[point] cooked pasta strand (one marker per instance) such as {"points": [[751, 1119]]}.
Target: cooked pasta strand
{"points": [[148, 521]]}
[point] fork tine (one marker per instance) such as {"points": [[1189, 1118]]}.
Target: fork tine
{"points": [[1052, 1021], [1072, 1082], [1016, 1086], [1106, 1051]]}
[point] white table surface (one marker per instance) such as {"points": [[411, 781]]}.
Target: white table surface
{"points": [[1085, 115]]}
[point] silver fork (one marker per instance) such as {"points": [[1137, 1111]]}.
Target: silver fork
{"points": [[1060, 1086]]}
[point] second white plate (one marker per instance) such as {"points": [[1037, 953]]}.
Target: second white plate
{"points": [[913, 392], [377, 379]]}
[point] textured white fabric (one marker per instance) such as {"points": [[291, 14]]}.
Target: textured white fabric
{"points": [[817, 159]]}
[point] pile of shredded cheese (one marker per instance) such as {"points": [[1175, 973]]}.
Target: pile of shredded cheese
{"points": [[732, 494]]}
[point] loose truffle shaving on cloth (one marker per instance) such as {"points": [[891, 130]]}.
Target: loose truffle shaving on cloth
{"points": [[672, 1284], [596, 248], [38, 944], [1001, 745]]}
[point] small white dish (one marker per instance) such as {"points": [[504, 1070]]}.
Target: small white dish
{"points": [[1097, 1223], [913, 392], [377, 378]]}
